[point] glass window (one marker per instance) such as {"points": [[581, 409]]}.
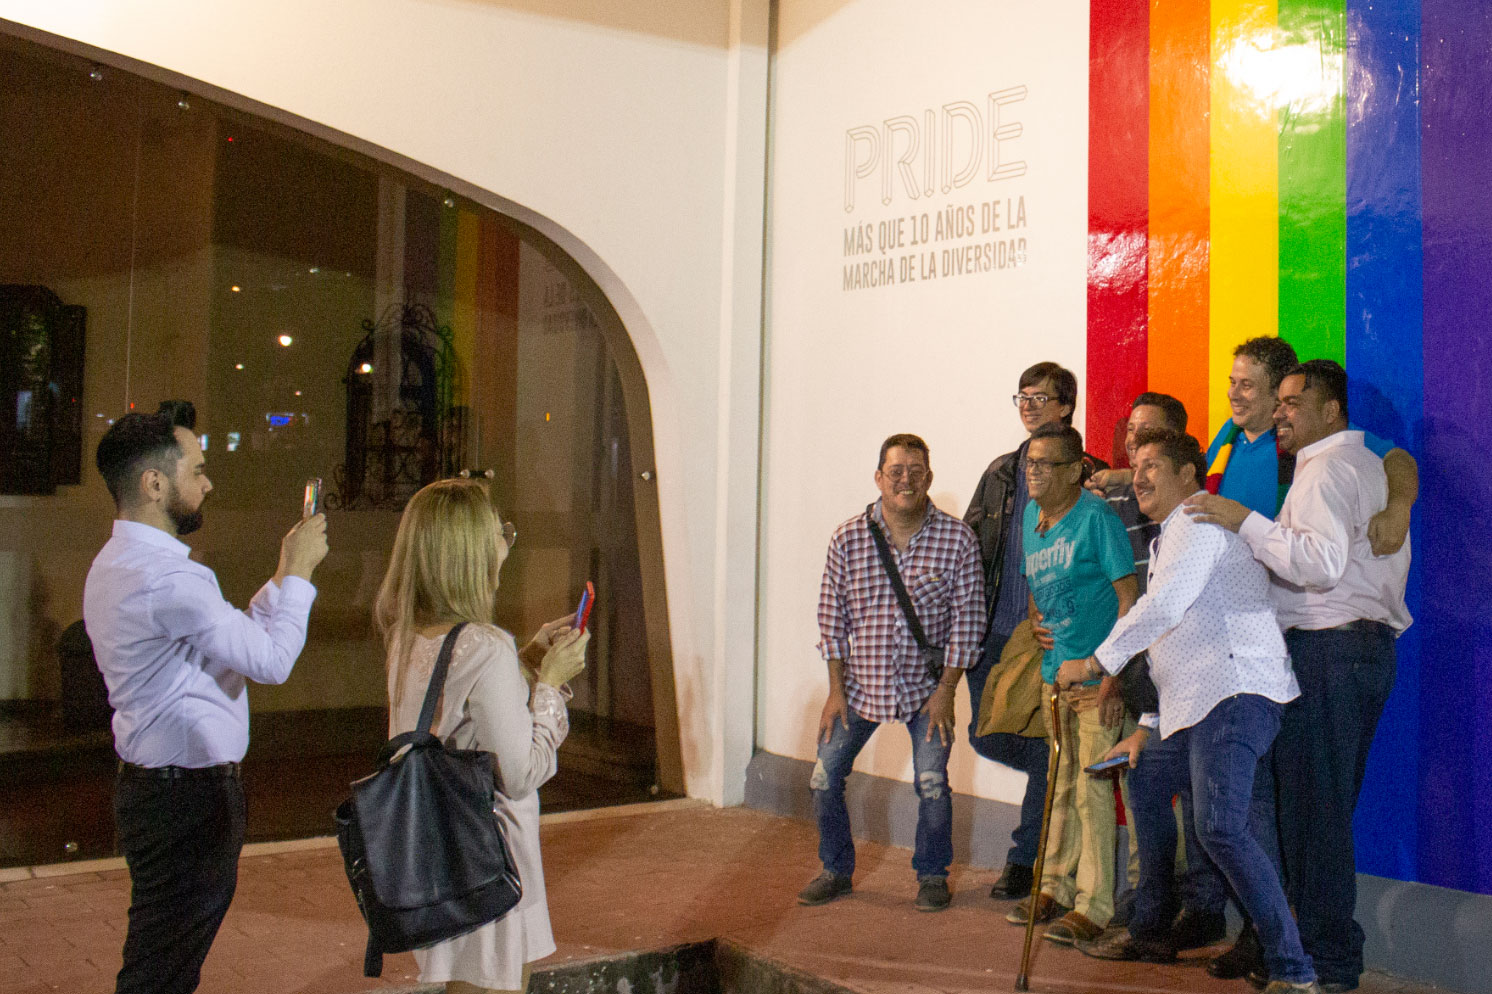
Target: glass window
{"points": [[329, 317]]}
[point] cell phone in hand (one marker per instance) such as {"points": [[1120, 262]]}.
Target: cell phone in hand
{"points": [[312, 503], [583, 609], [1119, 762]]}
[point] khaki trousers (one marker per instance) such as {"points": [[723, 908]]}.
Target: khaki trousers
{"points": [[1079, 869]]}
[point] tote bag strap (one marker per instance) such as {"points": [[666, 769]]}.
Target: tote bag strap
{"points": [[438, 679]]}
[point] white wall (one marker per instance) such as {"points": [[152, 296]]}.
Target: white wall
{"points": [[633, 135], [939, 357]]}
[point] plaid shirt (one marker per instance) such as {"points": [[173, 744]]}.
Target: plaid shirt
{"points": [[861, 623]]}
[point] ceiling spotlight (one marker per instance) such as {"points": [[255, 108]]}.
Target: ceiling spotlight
{"points": [[96, 74], [238, 365], [183, 103], [236, 288], [366, 367], [297, 393], [450, 201], [285, 340]]}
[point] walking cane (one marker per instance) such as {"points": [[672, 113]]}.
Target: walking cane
{"points": [[1046, 821]]}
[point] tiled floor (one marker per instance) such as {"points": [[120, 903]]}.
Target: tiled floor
{"points": [[630, 881]]}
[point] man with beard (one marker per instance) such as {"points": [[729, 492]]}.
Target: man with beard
{"points": [[176, 658], [1342, 606]]}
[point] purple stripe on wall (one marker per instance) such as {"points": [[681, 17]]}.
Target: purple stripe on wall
{"points": [[1455, 553]]}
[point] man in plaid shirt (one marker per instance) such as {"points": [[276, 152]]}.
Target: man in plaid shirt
{"points": [[877, 672]]}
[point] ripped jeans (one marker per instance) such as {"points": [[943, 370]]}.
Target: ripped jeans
{"points": [[934, 847]]}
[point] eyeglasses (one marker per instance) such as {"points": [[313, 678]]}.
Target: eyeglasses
{"points": [[914, 474], [1036, 400], [1043, 466], [510, 533]]}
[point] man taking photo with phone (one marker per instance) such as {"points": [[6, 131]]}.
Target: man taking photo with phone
{"points": [[177, 659]]}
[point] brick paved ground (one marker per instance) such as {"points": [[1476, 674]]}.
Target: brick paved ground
{"points": [[625, 882]]}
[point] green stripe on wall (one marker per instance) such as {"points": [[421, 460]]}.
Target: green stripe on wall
{"points": [[1308, 65]]}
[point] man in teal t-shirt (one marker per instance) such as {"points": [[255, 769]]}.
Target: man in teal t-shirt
{"points": [[1072, 568], [1080, 570]]}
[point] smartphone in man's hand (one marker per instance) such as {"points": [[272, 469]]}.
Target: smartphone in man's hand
{"points": [[312, 505]]}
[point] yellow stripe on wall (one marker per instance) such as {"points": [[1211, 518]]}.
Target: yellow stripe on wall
{"points": [[1244, 174]]}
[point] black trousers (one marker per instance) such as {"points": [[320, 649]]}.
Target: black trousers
{"points": [[181, 837], [1320, 757]]}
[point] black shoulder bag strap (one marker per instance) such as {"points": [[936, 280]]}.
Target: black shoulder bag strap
{"points": [[373, 954], [932, 658], [438, 679]]}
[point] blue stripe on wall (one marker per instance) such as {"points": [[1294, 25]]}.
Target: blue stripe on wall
{"points": [[1384, 356], [1455, 550]]}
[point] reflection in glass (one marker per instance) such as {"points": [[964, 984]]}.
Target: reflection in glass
{"points": [[330, 318]]}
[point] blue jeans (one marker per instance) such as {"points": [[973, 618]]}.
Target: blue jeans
{"points": [[1216, 761], [1029, 755], [1157, 896], [1345, 678], [934, 846]]}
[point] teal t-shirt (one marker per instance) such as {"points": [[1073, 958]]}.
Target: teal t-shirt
{"points": [[1071, 572]]}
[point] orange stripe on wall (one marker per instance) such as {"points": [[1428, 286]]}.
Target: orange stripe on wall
{"points": [[1179, 258]]}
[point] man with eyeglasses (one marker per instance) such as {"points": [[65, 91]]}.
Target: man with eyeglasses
{"points": [[1046, 394], [878, 671], [1080, 570]]}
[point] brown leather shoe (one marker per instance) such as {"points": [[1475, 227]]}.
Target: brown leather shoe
{"points": [[1072, 927], [1047, 910]]}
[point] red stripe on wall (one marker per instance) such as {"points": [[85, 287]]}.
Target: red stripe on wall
{"points": [[1118, 202], [1180, 68]]}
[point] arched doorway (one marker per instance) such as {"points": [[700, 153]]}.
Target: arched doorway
{"points": [[229, 258]]}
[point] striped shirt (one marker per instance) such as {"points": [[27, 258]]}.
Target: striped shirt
{"points": [[861, 623], [1140, 529]]}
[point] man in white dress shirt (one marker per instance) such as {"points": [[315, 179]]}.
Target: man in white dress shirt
{"points": [[1220, 669], [1341, 608], [176, 658]]}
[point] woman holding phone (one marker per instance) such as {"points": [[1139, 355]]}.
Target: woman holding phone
{"points": [[444, 570]]}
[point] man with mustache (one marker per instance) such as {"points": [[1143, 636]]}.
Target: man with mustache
{"points": [[1197, 897], [879, 674], [1220, 668], [177, 658], [1341, 607]]}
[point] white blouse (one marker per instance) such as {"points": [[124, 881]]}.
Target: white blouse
{"points": [[492, 703]]}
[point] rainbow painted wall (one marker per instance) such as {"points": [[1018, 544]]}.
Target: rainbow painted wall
{"points": [[1322, 170]]}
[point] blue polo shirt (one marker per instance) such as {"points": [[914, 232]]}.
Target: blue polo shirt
{"points": [[1252, 476], [1071, 571]]}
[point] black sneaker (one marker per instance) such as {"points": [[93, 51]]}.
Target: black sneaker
{"points": [[824, 888], [1195, 929], [1243, 958], [1014, 883], [932, 894]]}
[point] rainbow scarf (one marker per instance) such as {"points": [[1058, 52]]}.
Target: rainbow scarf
{"points": [[1284, 460]]}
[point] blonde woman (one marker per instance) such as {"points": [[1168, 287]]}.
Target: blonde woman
{"points": [[443, 570]]}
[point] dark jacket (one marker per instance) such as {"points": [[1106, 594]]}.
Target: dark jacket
{"points": [[991, 506]]}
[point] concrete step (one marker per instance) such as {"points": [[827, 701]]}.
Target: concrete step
{"points": [[714, 967]]}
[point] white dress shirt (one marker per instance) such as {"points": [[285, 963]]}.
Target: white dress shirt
{"points": [[1207, 620], [1325, 573], [176, 656]]}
